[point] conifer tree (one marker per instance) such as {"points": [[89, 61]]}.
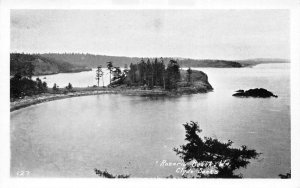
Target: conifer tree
{"points": [[211, 155]]}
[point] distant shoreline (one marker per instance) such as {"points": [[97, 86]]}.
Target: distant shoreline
{"points": [[244, 66], [55, 63], [54, 73]]}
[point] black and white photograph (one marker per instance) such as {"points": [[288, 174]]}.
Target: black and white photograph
{"points": [[150, 93]]}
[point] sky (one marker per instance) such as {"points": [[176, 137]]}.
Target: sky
{"points": [[197, 34]]}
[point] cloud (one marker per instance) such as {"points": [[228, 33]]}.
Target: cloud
{"points": [[225, 34], [29, 19]]}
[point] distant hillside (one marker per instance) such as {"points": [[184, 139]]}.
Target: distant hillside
{"points": [[93, 61], [208, 63], [42, 65], [252, 62], [52, 63]]}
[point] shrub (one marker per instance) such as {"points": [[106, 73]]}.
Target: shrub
{"points": [[106, 174], [212, 154]]}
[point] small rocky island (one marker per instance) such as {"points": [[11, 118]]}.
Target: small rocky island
{"points": [[257, 92]]}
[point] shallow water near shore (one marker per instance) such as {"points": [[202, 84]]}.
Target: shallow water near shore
{"points": [[133, 135]]}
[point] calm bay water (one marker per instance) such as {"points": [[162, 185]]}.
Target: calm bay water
{"points": [[132, 135], [81, 79]]}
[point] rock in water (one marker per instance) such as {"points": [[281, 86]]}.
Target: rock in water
{"points": [[257, 92]]}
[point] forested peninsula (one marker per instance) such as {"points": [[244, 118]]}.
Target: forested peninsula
{"points": [[143, 78]]}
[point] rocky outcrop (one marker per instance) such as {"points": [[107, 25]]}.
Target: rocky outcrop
{"points": [[260, 93], [198, 82]]}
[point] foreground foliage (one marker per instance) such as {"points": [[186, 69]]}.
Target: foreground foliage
{"points": [[21, 86], [285, 176], [214, 158], [106, 174]]}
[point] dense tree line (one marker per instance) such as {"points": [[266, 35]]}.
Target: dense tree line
{"points": [[22, 64], [154, 73], [21, 84]]}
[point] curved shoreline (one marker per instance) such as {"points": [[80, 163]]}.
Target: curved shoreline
{"points": [[199, 84], [29, 101], [47, 97]]}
